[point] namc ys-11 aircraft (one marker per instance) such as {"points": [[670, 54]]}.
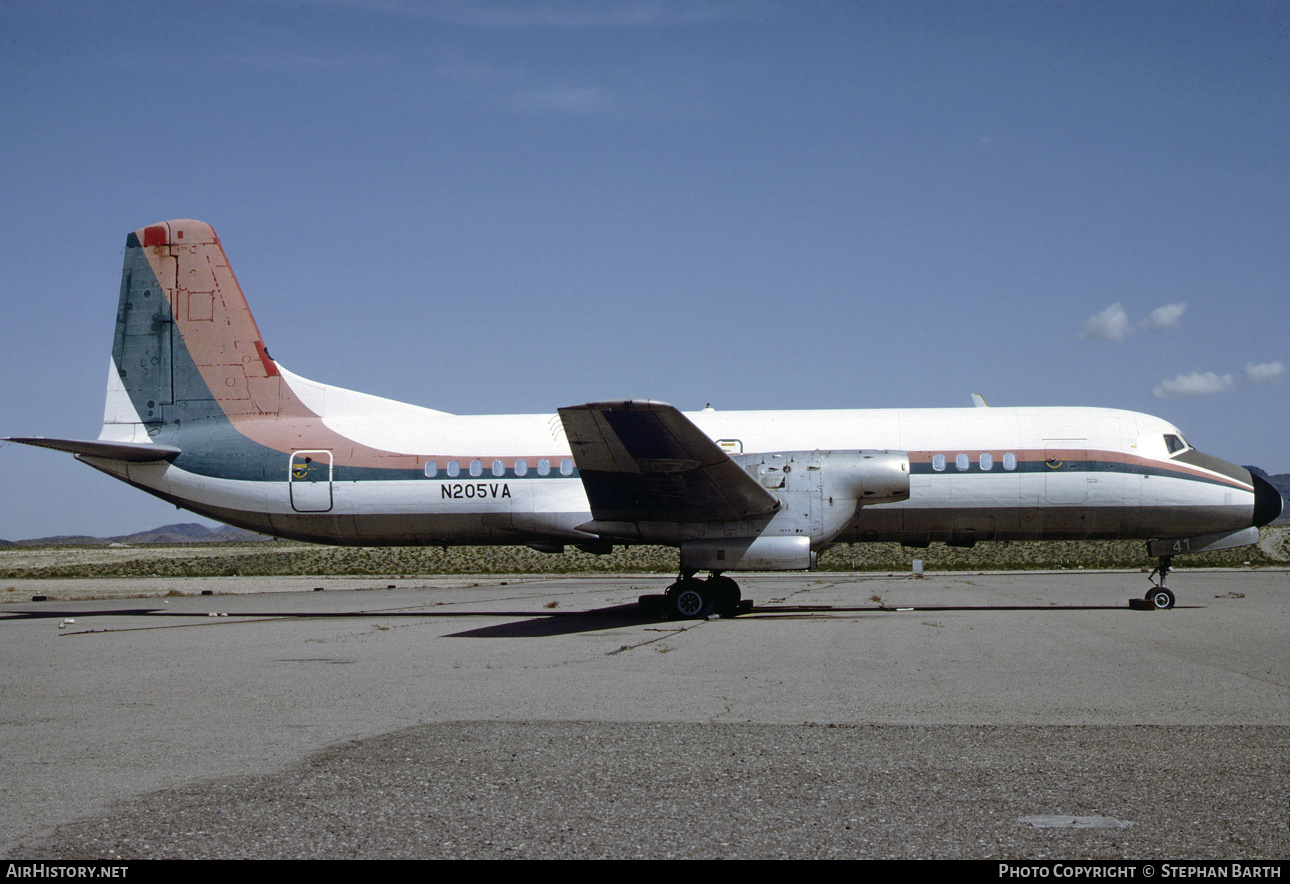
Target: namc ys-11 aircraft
{"points": [[200, 415]]}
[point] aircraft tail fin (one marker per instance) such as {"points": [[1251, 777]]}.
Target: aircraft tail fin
{"points": [[186, 347]]}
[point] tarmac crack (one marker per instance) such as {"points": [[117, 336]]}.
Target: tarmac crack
{"points": [[668, 633]]}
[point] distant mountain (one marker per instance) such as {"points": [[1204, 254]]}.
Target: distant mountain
{"points": [[186, 532]]}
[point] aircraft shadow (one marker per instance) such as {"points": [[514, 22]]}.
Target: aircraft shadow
{"points": [[533, 625], [560, 623], [568, 622], [65, 613], [548, 623]]}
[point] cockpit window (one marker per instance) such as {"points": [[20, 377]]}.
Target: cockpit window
{"points": [[1175, 444]]}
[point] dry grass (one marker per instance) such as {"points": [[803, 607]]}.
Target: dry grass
{"points": [[282, 558]]}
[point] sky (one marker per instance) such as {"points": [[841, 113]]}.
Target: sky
{"points": [[508, 207]]}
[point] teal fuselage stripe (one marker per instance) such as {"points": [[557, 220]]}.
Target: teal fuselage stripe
{"points": [[1063, 467], [219, 451]]}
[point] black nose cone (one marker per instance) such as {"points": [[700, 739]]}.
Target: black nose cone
{"points": [[1267, 501]]}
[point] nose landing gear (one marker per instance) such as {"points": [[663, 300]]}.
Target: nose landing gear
{"points": [[1159, 597]]}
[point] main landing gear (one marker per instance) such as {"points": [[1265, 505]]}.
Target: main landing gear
{"points": [[1158, 596], [690, 598]]}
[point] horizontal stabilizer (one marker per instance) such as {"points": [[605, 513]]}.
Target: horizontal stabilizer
{"points": [[134, 452], [645, 461]]}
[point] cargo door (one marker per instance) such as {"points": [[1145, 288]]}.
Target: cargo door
{"points": [[310, 481], [1065, 470]]}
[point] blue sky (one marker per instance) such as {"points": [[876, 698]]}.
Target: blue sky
{"points": [[503, 207]]}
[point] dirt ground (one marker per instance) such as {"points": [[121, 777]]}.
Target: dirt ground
{"points": [[118, 570]]}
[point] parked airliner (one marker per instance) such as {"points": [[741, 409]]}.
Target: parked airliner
{"points": [[199, 414]]}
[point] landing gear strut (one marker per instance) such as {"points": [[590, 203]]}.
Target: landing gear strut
{"points": [[690, 598], [1158, 596]]}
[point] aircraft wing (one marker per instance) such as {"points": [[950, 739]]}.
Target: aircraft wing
{"points": [[645, 461], [135, 452]]}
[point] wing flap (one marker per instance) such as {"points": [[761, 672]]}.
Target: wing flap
{"points": [[645, 461]]}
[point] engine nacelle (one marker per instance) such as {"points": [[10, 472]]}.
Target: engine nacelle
{"points": [[863, 476], [818, 494], [765, 553], [866, 476]]}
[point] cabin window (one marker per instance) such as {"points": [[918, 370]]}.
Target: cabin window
{"points": [[544, 467], [499, 468], [454, 469], [521, 467], [938, 462], [986, 460], [476, 468], [432, 469], [1010, 461], [961, 463], [566, 467]]}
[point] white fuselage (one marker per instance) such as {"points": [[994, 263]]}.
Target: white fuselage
{"points": [[976, 474]]}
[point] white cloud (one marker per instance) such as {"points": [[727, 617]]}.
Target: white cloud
{"points": [[1163, 317], [1264, 372], [1112, 324], [566, 99], [1202, 383], [577, 14], [1195, 384]]}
